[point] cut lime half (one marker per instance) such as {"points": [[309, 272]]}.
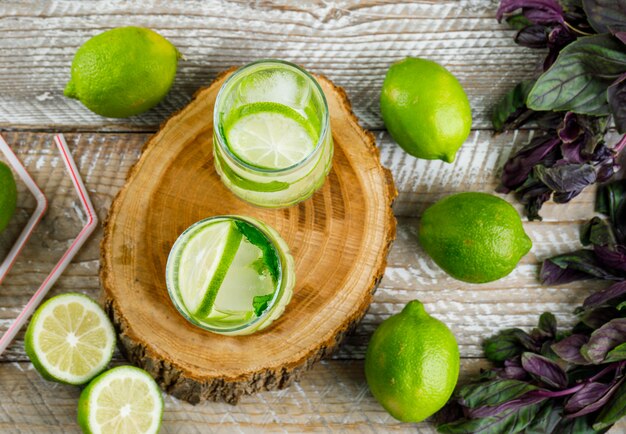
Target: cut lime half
{"points": [[203, 263], [269, 135], [70, 339], [124, 400]]}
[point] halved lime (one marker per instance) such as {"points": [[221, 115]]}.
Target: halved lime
{"points": [[124, 400], [70, 339], [203, 264], [269, 135]]}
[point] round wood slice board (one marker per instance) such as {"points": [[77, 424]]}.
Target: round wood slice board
{"points": [[339, 238]]}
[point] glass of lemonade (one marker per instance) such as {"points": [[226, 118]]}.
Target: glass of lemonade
{"points": [[272, 141], [232, 275]]}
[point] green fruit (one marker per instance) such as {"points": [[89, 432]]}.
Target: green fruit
{"points": [[70, 339], [474, 237], [122, 400], [8, 196], [412, 364], [425, 109], [123, 72]]}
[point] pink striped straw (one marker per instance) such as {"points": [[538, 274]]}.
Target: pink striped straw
{"points": [[42, 205], [92, 223]]}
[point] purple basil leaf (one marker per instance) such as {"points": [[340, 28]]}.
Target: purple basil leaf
{"points": [[518, 22], [536, 11], [604, 339], [613, 258], [544, 370], [579, 78], [570, 129], [621, 36], [515, 404], [558, 38], [611, 201], [617, 354], [568, 349], [616, 95], [566, 178], [590, 398], [614, 410], [512, 370], [511, 111], [597, 232], [547, 324], [612, 296], [596, 318], [533, 36], [578, 425], [606, 15], [569, 267], [492, 393], [520, 165], [553, 274], [546, 420], [513, 420], [508, 344]]}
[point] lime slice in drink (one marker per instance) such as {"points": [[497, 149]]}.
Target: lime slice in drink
{"points": [[124, 400], [204, 262], [70, 339], [269, 135]]}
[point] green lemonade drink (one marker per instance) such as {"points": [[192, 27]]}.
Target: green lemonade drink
{"points": [[230, 274], [272, 142]]}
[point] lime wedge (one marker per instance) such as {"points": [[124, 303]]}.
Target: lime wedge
{"points": [[269, 135], [124, 400], [70, 339], [204, 262]]}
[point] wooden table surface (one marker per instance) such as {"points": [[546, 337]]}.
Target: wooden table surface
{"points": [[351, 42]]}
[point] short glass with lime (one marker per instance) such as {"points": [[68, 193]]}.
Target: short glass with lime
{"points": [[272, 141], [231, 275]]}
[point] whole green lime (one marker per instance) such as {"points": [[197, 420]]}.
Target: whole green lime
{"points": [[474, 237], [123, 72], [8, 195], [412, 364], [425, 109]]}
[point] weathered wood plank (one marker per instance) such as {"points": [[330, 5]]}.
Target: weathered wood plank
{"points": [[333, 397], [351, 42], [106, 158]]}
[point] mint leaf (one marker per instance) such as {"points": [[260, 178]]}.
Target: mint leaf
{"points": [[260, 303], [256, 237]]}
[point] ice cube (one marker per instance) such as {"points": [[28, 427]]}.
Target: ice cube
{"points": [[276, 85]]}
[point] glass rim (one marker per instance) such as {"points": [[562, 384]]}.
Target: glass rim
{"points": [[170, 263], [221, 140]]}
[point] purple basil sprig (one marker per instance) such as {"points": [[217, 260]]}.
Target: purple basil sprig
{"points": [[572, 383], [560, 164], [569, 154], [606, 259]]}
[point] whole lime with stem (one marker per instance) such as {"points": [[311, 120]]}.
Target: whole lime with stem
{"points": [[8, 195], [412, 364], [425, 109], [123, 72]]}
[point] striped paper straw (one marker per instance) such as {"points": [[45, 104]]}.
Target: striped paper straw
{"points": [[42, 205], [92, 222]]}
